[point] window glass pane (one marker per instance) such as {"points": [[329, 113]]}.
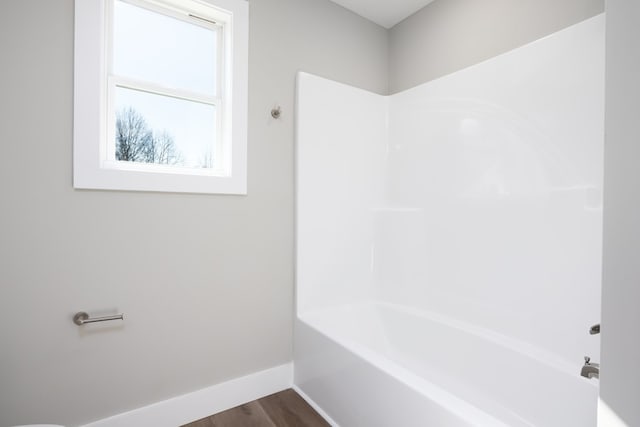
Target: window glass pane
{"points": [[164, 50], [153, 128]]}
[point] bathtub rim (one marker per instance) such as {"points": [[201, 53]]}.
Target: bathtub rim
{"points": [[461, 408], [483, 413]]}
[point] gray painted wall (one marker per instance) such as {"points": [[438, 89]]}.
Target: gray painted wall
{"points": [[220, 266], [448, 35], [620, 380], [205, 282]]}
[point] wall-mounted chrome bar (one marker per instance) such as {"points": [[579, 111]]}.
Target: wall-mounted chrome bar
{"points": [[81, 318]]}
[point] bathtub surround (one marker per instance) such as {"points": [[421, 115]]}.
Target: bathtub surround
{"points": [[444, 237], [449, 35], [221, 266]]}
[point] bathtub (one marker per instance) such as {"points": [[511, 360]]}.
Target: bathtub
{"points": [[379, 364], [449, 242]]}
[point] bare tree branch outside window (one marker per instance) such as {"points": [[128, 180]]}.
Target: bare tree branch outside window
{"points": [[136, 142]]}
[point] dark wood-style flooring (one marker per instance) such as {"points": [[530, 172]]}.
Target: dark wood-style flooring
{"points": [[284, 409]]}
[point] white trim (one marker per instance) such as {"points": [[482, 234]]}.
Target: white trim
{"points": [[156, 89], [202, 403], [315, 406], [91, 121]]}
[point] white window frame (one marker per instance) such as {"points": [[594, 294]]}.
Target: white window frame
{"points": [[94, 167]]}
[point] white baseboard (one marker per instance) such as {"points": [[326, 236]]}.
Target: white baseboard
{"points": [[202, 403], [315, 406]]}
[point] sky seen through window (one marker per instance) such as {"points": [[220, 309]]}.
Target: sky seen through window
{"points": [[175, 54]]}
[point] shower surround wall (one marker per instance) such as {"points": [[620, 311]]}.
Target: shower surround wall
{"points": [[449, 241]]}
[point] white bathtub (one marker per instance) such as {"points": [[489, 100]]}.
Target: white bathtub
{"points": [[474, 198], [377, 364]]}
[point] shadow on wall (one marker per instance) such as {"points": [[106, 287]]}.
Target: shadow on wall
{"points": [[607, 417]]}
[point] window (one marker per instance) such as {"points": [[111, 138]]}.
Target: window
{"points": [[161, 95]]}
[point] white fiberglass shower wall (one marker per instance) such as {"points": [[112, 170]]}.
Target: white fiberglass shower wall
{"points": [[449, 242]]}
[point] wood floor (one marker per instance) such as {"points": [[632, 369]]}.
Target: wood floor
{"points": [[284, 409]]}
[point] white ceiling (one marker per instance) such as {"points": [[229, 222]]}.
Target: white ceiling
{"points": [[384, 12]]}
